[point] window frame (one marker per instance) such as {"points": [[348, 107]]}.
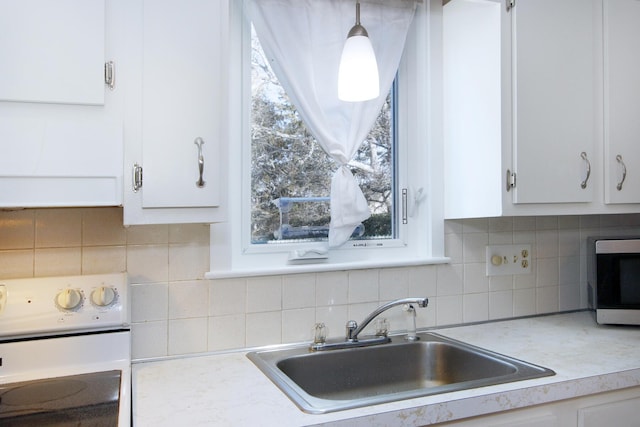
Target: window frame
{"points": [[419, 119]]}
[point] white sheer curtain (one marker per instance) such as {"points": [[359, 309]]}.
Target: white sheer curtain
{"points": [[303, 39]]}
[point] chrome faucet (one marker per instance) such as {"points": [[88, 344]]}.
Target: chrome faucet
{"points": [[353, 330]]}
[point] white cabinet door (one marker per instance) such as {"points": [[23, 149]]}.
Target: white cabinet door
{"points": [[619, 414], [555, 55], [181, 102], [61, 128], [622, 100], [52, 51], [73, 160], [179, 142]]}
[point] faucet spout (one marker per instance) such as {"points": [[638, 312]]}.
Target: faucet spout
{"points": [[353, 330]]}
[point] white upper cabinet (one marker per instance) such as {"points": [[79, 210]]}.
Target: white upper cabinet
{"points": [[523, 106], [52, 51], [622, 101], [177, 114], [555, 50], [61, 124]]}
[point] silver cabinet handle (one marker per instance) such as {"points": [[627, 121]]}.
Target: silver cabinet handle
{"points": [[583, 156], [624, 172], [136, 178], [200, 182]]}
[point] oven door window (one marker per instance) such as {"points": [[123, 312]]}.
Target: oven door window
{"points": [[619, 281], [86, 399]]}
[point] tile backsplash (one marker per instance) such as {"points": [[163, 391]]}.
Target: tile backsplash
{"points": [[176, 311]]}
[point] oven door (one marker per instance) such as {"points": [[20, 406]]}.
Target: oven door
{"points": [[85, 399], [79, 379]]}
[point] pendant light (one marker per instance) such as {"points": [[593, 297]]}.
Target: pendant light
{"points": [[358, 73]]}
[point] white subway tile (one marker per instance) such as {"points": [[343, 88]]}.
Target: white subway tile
{"points": [[474, 247], [151, 234], [500, 304], [547, 244], [363, 286], [502, 283], [475, 278], [16, 263], [547, 272], [298, 291], [449, 310], [524, 302], [104, 259], [264, 294], [332, 288], [148, 263], [58, 262], [450, 279], [149, 302], [547, 299], [188, 261], [226, 332], [227, 296], [17, 229], [298, 325], [394, 283], [149, 339], [475, 307], [188, 299], [103, 227], [58, 228], [569, 297], [187, 336], [264, 328], [423, 281]]}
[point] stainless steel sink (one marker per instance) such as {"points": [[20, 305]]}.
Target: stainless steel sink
{"points": [[320, 382]]}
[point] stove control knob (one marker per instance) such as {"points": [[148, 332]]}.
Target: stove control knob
{"points": [[69, 299], [104, 296]]}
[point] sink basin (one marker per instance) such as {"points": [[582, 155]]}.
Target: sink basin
{"points": [[333, 380]]}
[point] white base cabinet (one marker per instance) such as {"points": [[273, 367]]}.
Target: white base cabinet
{"points": [[176, 144], [523, 107], [617, 408]]}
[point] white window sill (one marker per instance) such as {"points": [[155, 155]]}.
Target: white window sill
{"points": [[319, 267]]}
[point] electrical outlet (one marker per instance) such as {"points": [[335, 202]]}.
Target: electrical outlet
{"points": [[508, 259]]}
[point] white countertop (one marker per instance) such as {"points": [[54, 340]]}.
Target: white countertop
{"points": [[227, 389]]}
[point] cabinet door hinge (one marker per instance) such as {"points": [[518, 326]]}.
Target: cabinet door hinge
{"points": [[511, 180], [137, 178], [510, 4], [110, 74]]}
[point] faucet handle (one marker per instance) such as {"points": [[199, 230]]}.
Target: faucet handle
{"points": [[351, 326], [382, 327], [320, 334]]}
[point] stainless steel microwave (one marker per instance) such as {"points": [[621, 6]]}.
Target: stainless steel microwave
{"points": [[613, 279]]}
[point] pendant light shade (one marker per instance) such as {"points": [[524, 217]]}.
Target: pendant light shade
{"points": [[358, 78]]}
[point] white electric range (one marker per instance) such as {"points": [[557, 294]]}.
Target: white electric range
{"points": [[65, 351]]}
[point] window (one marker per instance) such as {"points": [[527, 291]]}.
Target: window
{"points": [[291, 174], [239, 246]]}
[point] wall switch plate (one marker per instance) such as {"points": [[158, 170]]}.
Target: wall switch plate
{"points": [[503, 260]]}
